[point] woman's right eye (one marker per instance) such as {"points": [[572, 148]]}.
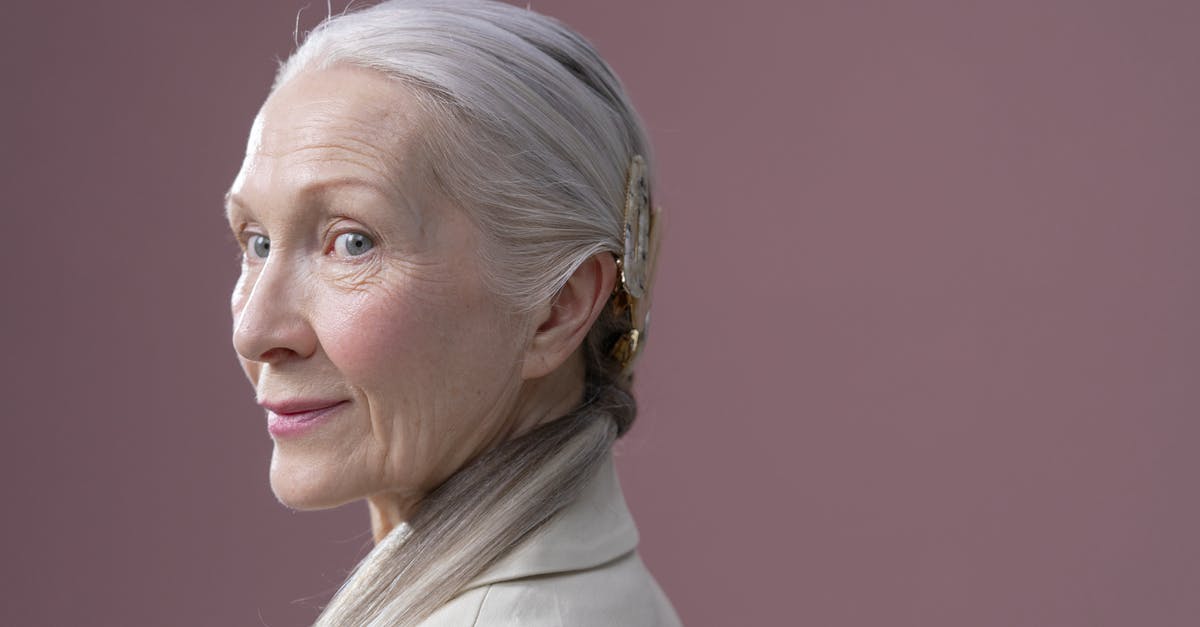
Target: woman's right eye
{"points": [[258, 246]]}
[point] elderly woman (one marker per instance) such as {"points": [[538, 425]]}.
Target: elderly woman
{"points": [[447, 231]]}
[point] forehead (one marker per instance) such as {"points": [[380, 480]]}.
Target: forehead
{"points": [[342, 121]]}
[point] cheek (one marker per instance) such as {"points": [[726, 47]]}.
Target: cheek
{"points": [[365, 331], [414, 348], [386, 343]]}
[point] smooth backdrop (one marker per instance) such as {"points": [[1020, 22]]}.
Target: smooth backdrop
{"points": [[925, 350]]}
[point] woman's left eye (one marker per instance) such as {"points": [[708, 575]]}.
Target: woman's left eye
{"points": [[352, 244]]}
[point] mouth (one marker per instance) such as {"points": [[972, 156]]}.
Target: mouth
{"points": [[295, 417], [299, 405]]}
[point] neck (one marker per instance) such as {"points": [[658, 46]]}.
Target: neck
{"points": [[387, 511]]}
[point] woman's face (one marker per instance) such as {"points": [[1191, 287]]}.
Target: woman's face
{"points": [[360, 309]]}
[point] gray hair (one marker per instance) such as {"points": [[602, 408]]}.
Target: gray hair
{"points": [[532, 134], [532, 131]]}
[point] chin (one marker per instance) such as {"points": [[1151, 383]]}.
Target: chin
{"points": [[305, 486]]}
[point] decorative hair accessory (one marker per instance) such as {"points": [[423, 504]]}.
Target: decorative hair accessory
{"points": [[632, 296]]}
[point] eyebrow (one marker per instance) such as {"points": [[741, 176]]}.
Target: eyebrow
{"points": [[312, 189]]}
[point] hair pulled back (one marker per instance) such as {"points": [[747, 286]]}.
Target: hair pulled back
{"points": [[531, 133]]}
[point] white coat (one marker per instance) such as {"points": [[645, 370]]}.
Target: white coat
{"points": [[580, 570]]}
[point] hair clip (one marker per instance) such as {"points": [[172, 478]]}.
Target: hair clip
{"points": [[636, 265]]}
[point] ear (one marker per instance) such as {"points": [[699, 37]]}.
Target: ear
{"points": [[563, 324]]}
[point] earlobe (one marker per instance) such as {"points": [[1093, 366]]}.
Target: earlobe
{"points": [[564, 323]]}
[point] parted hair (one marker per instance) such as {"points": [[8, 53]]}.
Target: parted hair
{"points": [[531, 133]]}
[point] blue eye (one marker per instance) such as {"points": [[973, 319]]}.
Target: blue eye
{"points": [[259, 246], [353, 244]]}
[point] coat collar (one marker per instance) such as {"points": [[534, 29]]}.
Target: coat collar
{"points": [[594, 529]]}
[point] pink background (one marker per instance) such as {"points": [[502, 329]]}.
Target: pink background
{"points": [[925, 350]]}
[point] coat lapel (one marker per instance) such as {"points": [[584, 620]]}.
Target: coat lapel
{"points": [[595, 529]]}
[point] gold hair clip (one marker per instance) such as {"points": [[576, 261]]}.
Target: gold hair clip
{"points": [[632, 296]]}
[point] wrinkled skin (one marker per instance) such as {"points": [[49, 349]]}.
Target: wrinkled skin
{"points": [[361, 283]]}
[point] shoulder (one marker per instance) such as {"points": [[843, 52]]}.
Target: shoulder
{"points": [[619, 592]]}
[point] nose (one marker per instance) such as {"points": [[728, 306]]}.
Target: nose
{"points": [[270, 315]]}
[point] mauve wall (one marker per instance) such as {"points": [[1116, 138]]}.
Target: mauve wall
{"points": [[925, 351]]}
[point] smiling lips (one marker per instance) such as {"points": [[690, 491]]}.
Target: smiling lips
{"points": [[294, 417]]}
